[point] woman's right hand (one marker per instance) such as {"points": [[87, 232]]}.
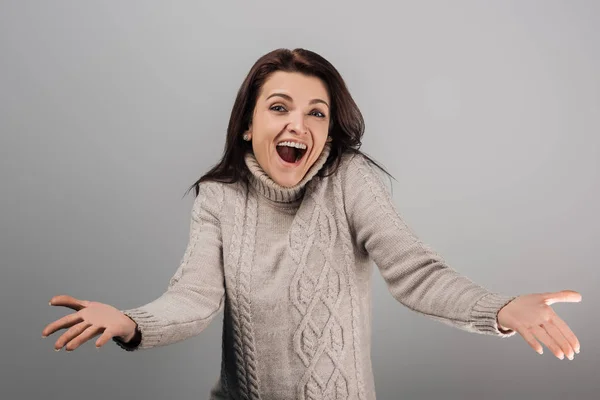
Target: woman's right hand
{"points": [[91, 319]]}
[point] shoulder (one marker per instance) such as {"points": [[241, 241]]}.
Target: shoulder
{"points": [[347, 164], [349, 159], [210, 198], [356, 170], [220, 198], [210, 189]]}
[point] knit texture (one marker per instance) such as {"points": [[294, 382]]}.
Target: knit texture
{"points": [[291, 270]]}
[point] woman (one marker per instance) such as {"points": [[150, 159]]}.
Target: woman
{"points": [[284, 229]]}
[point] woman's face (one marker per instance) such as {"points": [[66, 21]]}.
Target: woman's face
{"points": [[291, 107]]}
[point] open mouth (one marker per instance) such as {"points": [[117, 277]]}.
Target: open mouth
{"points": [[291, 153]]}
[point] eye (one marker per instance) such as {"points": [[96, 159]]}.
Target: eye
{"points": [[317, 113], [278, 108]]}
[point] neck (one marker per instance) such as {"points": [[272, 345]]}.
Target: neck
{"points": [[266, 186]]}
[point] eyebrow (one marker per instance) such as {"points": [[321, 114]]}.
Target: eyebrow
{"points": [[289, 98]]}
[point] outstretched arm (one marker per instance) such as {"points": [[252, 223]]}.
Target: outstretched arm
{"points": [[196, 292], [420, 279], [416, 276]]}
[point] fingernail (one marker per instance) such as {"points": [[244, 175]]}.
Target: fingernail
{"points": [[44, 336], [56, 349], [562, 357], [49, 303], [577, 350]]}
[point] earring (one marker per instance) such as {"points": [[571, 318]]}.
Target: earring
{"points": [[246, 137], [329, 139]]}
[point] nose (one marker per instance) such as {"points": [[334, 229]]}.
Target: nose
{"points": [[296, 123]]}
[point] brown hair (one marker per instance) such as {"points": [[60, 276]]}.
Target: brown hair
{"points": [[346, 123]]}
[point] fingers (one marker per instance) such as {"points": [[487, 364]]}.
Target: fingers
{"points": [[543, 336], [530, 339], [559, 338], [70, 334], [567, 333], [565, 296], [65, 322], [68, 301], [86, 335]]}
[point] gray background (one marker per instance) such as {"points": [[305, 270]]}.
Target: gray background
{"points": [[487, 113]]}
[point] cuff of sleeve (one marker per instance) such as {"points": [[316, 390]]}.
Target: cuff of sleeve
{"points": [[484, 314], [132, 345], [148, 326]]}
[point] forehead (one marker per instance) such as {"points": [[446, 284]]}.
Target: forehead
{"points": [[299, 86]]}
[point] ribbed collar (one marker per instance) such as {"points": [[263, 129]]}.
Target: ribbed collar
{"points": [[266, 186]]}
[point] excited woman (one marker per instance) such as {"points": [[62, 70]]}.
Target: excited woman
{"points": [[284, 230]]}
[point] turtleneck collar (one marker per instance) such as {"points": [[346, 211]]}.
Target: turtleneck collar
{"points": [[266, 186]]}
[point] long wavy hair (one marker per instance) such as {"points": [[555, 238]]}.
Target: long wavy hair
{"points": [[346, 123]]}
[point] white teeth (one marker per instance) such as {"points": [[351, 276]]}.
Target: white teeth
{"points": [[292, 144]]}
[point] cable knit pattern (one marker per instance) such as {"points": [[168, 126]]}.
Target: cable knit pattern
{"points": [[244, 293], [241, 253], [344, 230], [314, 343], [291, 268]]}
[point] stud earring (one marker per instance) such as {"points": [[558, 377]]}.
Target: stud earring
{"points": [[246, 137], [329, 139]]}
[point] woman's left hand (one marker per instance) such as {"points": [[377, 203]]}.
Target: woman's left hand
{"points": [[532, 317]]}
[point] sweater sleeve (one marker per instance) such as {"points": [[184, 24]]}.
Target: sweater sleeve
{"points": [[196, 292], [415, 274]]}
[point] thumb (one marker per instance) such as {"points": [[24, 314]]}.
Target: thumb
{"points": [[69, 301], [565, 296]]}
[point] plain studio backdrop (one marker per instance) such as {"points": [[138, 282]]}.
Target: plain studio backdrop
{"points": [[487, 114]]}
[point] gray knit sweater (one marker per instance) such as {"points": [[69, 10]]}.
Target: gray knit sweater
{"points": [[291, 269]]}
